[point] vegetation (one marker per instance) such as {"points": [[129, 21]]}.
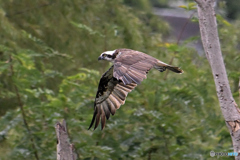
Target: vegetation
{"points": [[49, 72]]}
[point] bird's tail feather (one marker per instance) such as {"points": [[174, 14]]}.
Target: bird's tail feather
{"points": [[175, 69], [161, 66]]}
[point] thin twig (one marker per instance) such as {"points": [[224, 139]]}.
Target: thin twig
{"points": [[23, 112], [149, 154], [184, 27], [105, 39], [166, 144], [178, 41]]}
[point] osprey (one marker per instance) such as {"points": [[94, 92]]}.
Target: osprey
{"points": [[128, 70]]}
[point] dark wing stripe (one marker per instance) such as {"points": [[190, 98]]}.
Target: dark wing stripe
{"points": [[97, 117], [111, 106], [106, 109], [122, 90], [115, 102], [117, 95], [119, 91], [135, 78], [125, 88], [117, 99], [118, 72], [136, 75], [127, 79], [120, 94], [138, 71], [103, 119], [123, 70], [142, 66], [130, 86]]}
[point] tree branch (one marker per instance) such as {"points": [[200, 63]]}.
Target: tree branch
{"points": [[211, 45], [65, 150], [178, 40], [23, 112]]}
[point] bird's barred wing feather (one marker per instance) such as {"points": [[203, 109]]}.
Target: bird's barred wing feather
{"points": [[110, 96], [133, 67]]}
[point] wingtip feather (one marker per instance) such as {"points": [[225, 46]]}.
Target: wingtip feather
{"points": [[97, 121], [93, 119]]}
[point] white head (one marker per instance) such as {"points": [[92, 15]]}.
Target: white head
{"points": [[108, 55]]}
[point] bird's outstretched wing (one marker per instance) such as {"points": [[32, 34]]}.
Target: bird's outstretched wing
{"points": [[133, 66], [110, 96]]}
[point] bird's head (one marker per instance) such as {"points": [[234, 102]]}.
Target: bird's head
{"points": [[108, 55]]}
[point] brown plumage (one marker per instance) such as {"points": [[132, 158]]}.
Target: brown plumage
{"points": [[129, 69]]}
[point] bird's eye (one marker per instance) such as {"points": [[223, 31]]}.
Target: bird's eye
{"points": [[104, 55]]}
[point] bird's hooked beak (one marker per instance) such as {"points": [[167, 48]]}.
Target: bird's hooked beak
{"points": [[100, 58]]}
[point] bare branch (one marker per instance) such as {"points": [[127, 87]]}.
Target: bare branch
{"points": [[20, 103], [178, 40]]}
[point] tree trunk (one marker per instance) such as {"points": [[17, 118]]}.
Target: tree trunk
{"points": [[211, 44], [65, 150]]}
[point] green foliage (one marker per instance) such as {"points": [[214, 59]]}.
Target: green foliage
{"points": [[48, 65], [190, 6], [232, 9]]}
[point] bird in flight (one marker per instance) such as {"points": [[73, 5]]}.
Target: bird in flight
{"points": [[129, 69]]}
